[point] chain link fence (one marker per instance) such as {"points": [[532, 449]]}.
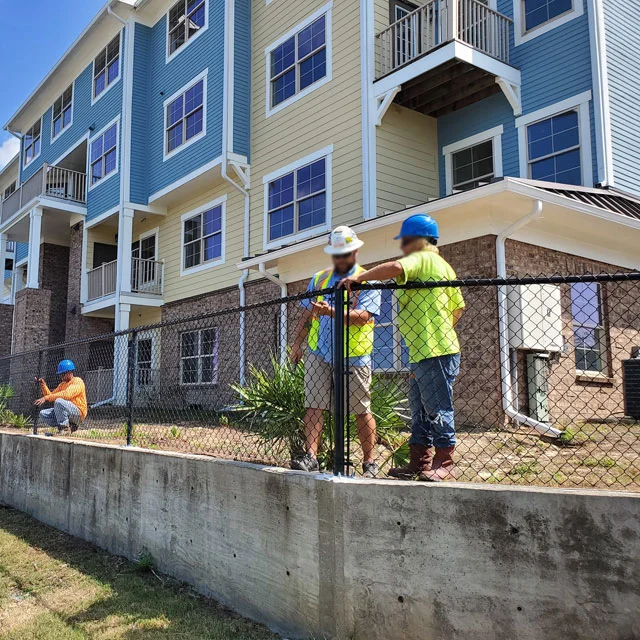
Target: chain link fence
{"points": [[546, 390]]}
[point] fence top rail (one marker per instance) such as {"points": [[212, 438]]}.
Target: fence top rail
{"points": [[633, 276]]}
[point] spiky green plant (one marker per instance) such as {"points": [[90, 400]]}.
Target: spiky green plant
{"points": [[20, 421]]}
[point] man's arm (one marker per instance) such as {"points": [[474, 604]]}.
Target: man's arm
{"points": [[43, 387], [357, 317], [70, 392], [457, 314], [385, 271], [301, 333]]}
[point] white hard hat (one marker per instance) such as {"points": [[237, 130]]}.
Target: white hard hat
{"points": [[342, 240]]}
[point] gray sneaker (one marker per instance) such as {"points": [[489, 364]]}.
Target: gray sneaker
{"points": [[370, 470], [306, 463]]}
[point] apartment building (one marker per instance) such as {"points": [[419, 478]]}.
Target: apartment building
{"points": [[187, 156]]}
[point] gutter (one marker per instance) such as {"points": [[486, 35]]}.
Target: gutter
{"points": [[283, 311], [503, 326]]}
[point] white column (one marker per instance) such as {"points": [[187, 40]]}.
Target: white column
{"points": [[125, 238], [3, 259], [35, 235], [121, 354]]}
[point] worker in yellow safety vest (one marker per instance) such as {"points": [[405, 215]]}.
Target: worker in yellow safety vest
{"points": [[316, 327]]}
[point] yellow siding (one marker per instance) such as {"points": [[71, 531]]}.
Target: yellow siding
{"points": [[331, 114], [407, 165], [103, 234], [144, 316], [215, 278]]}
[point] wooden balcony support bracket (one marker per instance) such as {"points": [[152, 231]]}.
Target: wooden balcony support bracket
{"points": [[243, 173], [383, 102], [512, 94]]}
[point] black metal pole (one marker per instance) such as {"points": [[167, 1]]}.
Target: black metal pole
{"points": [[338, 382], [131, 365]]}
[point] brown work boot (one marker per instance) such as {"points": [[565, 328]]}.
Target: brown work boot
{"points": [[420, 458], [442, 467]]}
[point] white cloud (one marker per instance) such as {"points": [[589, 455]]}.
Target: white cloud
{"points": [[8, 149]]}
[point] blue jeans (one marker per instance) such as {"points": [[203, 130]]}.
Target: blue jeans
{"points": [[431, 401], [61, 414]]}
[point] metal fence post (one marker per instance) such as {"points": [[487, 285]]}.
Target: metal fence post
{"points": [[131, 365], [338, 382]]}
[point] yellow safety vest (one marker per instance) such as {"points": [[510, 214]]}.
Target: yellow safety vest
{"points": [[360, 337]]}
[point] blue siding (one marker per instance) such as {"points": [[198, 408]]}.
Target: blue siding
{"points": [[22, 251], [163, 80], [242, 78], [554, 66], [623, 67], [85, 116]]}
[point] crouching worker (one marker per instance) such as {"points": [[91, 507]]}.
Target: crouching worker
{"points": [[426, 319], [69, 399]]}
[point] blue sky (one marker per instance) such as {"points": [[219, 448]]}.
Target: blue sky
{"points": [[33, 35]]}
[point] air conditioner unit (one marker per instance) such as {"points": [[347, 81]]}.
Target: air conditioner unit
{"points": [[535, 317], [631, 387]]}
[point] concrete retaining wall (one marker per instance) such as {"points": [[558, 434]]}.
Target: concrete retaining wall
{"points": [[348, 559]]}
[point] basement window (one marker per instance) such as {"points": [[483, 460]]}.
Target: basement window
{"points": [[199, 357], [589, 334]]}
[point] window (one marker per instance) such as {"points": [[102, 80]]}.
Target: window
{"points": [[537, 12], [104, 154], [10, 189], [32, 143], [389, 350], [532, 18], [106, 67], [297, 201], [202, 238], [588, 327], [11, 246], [553, 147], [473, 166], [62, 112], [199, 356], [144, 362], [144, 268], [297, 63], [185, 117], [187, 19]]}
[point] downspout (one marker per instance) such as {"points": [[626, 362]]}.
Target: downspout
{"points": [[503, 326], [283, 310]]}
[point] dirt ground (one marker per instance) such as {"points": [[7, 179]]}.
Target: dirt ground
{"points": [[597, 455]]}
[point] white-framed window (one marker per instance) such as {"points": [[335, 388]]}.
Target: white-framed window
{"points": [[186, 20], [298, 199], [299, 61], [32, 143], [203, 237], [555, 142], [11, 246], [589, 333], [185, 116], [389, 351], [62, 113], [106, 68], [10, 189], [103, 154], [473, 161], [144, 361], [532, 18], [199, 357]]}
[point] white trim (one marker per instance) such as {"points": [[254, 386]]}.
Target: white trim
{"points": [[166, 155], [200, 356], [327, 11], [127, 99], [73, 104], [368, 100], [579, 103], [170, 56], [221, 202], [521, 36], [24, 166], [147, 234], [184, 180], [325, 153], [102, 217], [115, 172], [83, 266], [494, 134], [95, 98], [228, 78], [601, 103]]}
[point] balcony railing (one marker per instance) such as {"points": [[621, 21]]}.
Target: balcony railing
{"points": [[438, 22], [147, 277], [52, 182]]}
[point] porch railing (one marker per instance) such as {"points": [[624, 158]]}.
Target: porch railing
{"points": [[438, 22], [147, 276], [49, 181], [101, 281]]}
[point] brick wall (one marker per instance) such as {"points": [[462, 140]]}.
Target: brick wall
{"points": [[54, 276], [6, 329]]}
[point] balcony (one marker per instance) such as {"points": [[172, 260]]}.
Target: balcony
{"points": [[443, 56], [147, 279], [56, 183]]}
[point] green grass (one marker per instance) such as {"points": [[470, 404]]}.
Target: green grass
{"points": [[55, 587]]}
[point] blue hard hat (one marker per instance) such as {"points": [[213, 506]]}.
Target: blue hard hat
{"points": [[420, 226], [66, 365]]}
